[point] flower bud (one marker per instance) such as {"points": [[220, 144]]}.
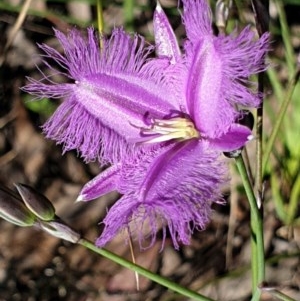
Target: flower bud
{"points": [[59, 229], [13, 210], [36, 202]]}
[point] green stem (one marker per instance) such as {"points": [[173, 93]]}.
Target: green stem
{"points": [[142, 271], [100, 20], [254, 260], [257, 237], [262, 17], [259, 141], [282, 111]]}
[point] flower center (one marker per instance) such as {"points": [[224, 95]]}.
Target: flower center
{"points": [[175, 128]]}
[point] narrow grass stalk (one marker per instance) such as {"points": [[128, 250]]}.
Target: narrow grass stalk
{"points": [[254, 260], [262, 17], [277, 198], [100, 21], [47, 14], [282, 111], [257, 237], [289, 51], [259, 143], [294, 201], [281, 296], [276, 85], [144, 272], [12, 35]]}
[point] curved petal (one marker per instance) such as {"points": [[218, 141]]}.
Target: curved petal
{"points": [[236, 137], [218, 81], [204, 90], [102, 184], [144, 220], [121, 103], [112, 94], [201, 173], [219, 70], [172, 187]]}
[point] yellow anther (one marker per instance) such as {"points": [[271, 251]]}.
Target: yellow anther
{"points": [[175, 128]]}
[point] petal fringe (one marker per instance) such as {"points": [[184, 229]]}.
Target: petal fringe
{"points": [[188, 179], [242, 56], [75, 128], [197, 18], [97, 122]]}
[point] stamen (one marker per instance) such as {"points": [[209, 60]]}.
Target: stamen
{"points": [[175, 128]]}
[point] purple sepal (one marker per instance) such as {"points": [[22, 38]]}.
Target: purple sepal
{"points": [[165, 39], [102, 184]]}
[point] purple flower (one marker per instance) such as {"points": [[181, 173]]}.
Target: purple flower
{"points": [[175, 185], [171, 188], [110, 92], [161, 122], [217, 69]]}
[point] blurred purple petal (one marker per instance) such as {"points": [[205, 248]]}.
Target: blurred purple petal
{"points": [[242, 56]]}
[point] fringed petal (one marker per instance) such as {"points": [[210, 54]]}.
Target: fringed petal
{"points": [[81, 55], [197, 18], [113, 91], [42, 90], [75, 128], [185, 170], [172, 79], [144, 220], [121, 103], [205, 87], [220, 68], [172, 188], [242, 56]]}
